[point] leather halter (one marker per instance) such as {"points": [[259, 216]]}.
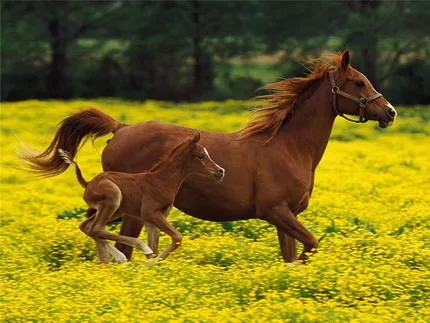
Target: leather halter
{"points": [[360, 100]]}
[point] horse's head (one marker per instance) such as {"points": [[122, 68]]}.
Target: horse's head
{"points": [[353, 94], [201, 163]]}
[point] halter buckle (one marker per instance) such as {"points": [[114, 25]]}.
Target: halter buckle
{"points": [[363, 102], [334, 89]]}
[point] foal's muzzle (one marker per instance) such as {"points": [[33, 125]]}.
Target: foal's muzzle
{"points": [[219, 173]]}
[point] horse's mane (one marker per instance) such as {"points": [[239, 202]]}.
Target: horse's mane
{"points": [[280, 103], [174, 153]]}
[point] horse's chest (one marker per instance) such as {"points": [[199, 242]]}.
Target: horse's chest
{"points": [[296, 192], [300, 204]]}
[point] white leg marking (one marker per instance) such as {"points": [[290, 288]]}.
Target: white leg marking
{"points": [[145, 248], [118, 255]]}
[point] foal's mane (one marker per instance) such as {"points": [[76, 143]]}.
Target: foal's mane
{"points": [[175, 152], [280, 103]]}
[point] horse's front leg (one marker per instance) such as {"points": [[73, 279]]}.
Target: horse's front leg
{"points": [[153, 233], [159, 219], [99, 232], [287, 245], [285, 221]]}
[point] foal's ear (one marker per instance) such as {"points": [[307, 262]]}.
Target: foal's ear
{"points": [[196, 138], [345, 59]]}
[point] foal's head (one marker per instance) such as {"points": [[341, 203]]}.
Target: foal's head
{"points": [[350, 81], [199, 162], [195, 159]]}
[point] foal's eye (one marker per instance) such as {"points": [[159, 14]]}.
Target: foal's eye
{"points": [[359, 83], [201, 157]]}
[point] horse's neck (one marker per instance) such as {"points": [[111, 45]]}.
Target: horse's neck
{"points": [[171, 174], [310, 127]]}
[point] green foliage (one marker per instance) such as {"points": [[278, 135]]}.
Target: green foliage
{"points": [[71, 214], [199, 50]]}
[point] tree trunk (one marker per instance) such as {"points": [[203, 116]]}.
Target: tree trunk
{"points": [[57, 79], [367, 39], [197, 52]]}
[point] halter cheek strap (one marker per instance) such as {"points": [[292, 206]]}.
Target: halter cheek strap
{"points": [[361, 101]]}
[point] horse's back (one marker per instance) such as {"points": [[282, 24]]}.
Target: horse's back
{"points": [[136, 148]]}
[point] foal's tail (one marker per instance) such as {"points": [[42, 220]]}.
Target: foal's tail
{"points": [[72, 132], [68, 159]]}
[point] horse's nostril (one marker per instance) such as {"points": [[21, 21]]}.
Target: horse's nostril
{"points": [[391, 112], [220, 170]]}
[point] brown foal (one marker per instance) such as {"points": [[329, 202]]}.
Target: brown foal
{"points": [[148, 196]]}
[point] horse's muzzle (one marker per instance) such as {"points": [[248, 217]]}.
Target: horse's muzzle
{"points": [[389, 117]]}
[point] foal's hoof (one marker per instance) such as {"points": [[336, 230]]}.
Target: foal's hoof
{"points": [[121, 259], [118, 255], [150, 255]]}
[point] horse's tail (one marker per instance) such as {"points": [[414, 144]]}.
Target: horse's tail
{"points": [[72, 132], [68, 159]]}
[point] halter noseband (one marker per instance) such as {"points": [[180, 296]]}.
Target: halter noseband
{"points": [[361, 101]]}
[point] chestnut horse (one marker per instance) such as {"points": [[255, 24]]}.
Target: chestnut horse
{"points": [[270, 164], [148, 196]]}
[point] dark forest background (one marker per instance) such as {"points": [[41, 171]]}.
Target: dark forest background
{"points": [[205, 50]]}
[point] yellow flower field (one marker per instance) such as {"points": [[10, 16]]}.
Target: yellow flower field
{"points": [[370, 204]]}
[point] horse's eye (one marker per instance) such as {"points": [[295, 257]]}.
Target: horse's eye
{"points": [[201, 157], [359, 83]]}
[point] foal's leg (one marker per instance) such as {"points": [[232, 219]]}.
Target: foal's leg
{"points": [[102, 253], [153, 236], [159, 220], [285, 221], [153, 233], [130, 227], [98, 231]]}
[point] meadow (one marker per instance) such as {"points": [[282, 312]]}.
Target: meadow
{"points": [[370, 206]]}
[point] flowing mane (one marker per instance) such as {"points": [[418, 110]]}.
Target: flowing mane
{"points": [[280, 103]]}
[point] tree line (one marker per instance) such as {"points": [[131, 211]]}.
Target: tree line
{"points": [[188, 50]]}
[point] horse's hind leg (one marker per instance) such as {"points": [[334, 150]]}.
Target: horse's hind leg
{"points": [[130, 227], [130, 241], [102, 253], [285, 221], [98, 231], [106, 198]]}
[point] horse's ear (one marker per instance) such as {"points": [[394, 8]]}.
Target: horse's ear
{"points": [[345, 59], [196, 137]]}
